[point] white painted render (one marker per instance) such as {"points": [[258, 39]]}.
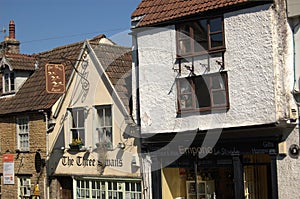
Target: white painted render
{"points": [[254, 60], [297, 54]]}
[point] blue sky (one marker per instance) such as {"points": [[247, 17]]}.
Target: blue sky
{"points": [[45, 24]]}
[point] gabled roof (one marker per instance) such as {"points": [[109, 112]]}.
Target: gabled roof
{"points": [[32, 96], [18, 61], [117, 63], [158, 11]]}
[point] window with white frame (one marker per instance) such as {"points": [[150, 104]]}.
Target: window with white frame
{"points": [[23, 133], [24, 187], [101, 189], [104, 126], [8, 82], [78, 128]]}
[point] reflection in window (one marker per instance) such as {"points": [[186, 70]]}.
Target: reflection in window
{"points": [[202, 93], [105, 124], [78, 120], [9, 82], [200, 36], [24, 187], [23, 133], [98, 189]]}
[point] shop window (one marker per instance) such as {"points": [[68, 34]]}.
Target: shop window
{"points": [[256, 176], [212, 182], [24, 187], [23, 133], [108, 189], [104, 126], [200, 36], [78, 126], [8, 82], [202, 93], [133, 190]]}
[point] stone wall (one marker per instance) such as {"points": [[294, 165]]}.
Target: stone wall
{"points": [[23, 161]]}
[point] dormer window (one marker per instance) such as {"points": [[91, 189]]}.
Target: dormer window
{"points": [[8, 82]]}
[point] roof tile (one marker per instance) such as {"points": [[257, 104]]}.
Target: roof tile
{"points": [[32, 95], [20, 61], [157, 11], [117, 62]]}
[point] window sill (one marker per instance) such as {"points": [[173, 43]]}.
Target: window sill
{"points": [[22, 151], [195, 54], [75, 146], [8, 93], [203, 111]]}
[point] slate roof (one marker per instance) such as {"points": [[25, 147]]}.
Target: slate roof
{"points": [[117, 62], [32, 96], [158, 11]]}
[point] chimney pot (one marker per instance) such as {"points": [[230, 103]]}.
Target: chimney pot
{"points": [[11, 29]]}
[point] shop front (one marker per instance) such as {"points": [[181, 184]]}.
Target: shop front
{"points": [[235, 167], [87, 175]]}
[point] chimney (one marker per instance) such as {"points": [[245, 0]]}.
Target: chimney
{"points": [[10, 44], [12, 30]]}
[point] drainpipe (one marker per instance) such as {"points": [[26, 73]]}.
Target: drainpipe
{"points": [[147, 194], [47, 192], [137, 79]]}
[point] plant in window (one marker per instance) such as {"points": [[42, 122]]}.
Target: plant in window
{"points": [[76, 143]]}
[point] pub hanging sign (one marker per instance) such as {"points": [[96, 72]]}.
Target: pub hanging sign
{"points": [[55, 78]]}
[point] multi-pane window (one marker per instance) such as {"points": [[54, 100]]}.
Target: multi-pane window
{"points": [[200, 36], [8, 82], [202, 93], [23, 133], [78, 120], [24, 187], [100, 189], [104, 124], [133, 190]]}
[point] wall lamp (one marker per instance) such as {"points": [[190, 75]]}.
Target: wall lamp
{"points": [[121, 145], [294, 150]]}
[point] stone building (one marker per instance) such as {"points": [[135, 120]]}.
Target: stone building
{"points": [[22, 127]]}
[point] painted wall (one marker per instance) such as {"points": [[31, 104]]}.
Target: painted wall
{"points": [[297, 54], [249, 62], [173, 184], [88, 90], [293, 8], [288, 170], [259, 63]]}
